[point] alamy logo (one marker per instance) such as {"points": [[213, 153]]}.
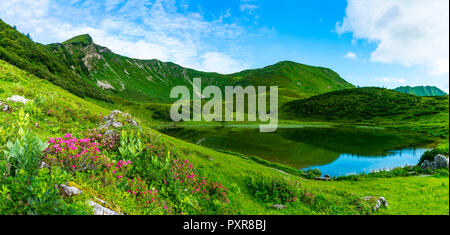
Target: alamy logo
{"points": [[213, 109]]}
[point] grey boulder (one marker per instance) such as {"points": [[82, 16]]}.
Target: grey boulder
{"points": [[279, 206], [117, 119], [5, 107], [69, 191], [440, 161], [380, 202], [100, 210]]}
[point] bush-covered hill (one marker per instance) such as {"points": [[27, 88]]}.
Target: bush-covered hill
{"points": [[421, 90], [37, 59], [363, 104]]}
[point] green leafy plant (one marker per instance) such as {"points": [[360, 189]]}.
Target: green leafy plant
{"points": [[25, 152], [4, 169], [5, 134], [131, 146], [161, 164], [34, 110], [9, 131]]}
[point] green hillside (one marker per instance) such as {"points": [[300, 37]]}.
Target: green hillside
{"points": [[295, 77], [421, 90]]}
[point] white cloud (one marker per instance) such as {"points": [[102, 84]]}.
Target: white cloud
{"points": [[33, 8], [350, 55], [410, 33], [248, 8], [112, 4], [143, 29], [218, 62]]}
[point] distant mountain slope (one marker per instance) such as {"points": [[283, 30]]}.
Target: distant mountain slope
{"points": [[299, 78], [421, 90], [18, 50], [152, 80], [363, 104]]}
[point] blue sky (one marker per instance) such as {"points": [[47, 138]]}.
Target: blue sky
{"points": [[369, 43]]}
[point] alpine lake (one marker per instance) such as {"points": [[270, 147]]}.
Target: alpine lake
{"points": [[335, 151]]}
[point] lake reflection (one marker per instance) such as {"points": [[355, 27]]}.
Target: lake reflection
{"points": [[335, 151], [349, 164]]}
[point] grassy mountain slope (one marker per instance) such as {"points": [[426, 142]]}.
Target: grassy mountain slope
{"points": [[152, 80], [421, 90], [54, 111], [35, 58], [58, 111], [293, 76]]}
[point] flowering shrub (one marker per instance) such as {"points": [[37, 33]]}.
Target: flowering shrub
{"points": [[184, 173], [157, 149], [115, 171], [307, 197], [108, 142], [74, 154], [142, 192]]}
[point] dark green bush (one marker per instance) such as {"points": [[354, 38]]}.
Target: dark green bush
{"points": [[314, 172], [273, 189], [430, 154]]}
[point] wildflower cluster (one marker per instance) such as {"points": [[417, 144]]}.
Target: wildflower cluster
{"points": [[74, 154], [156, 149], [116, 171], [184, 173], [109, 142], [307, 197], [142, 192]]}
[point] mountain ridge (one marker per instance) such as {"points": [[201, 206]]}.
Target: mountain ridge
{"points": [[83, 38], [421, 90], [113, 72]]}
